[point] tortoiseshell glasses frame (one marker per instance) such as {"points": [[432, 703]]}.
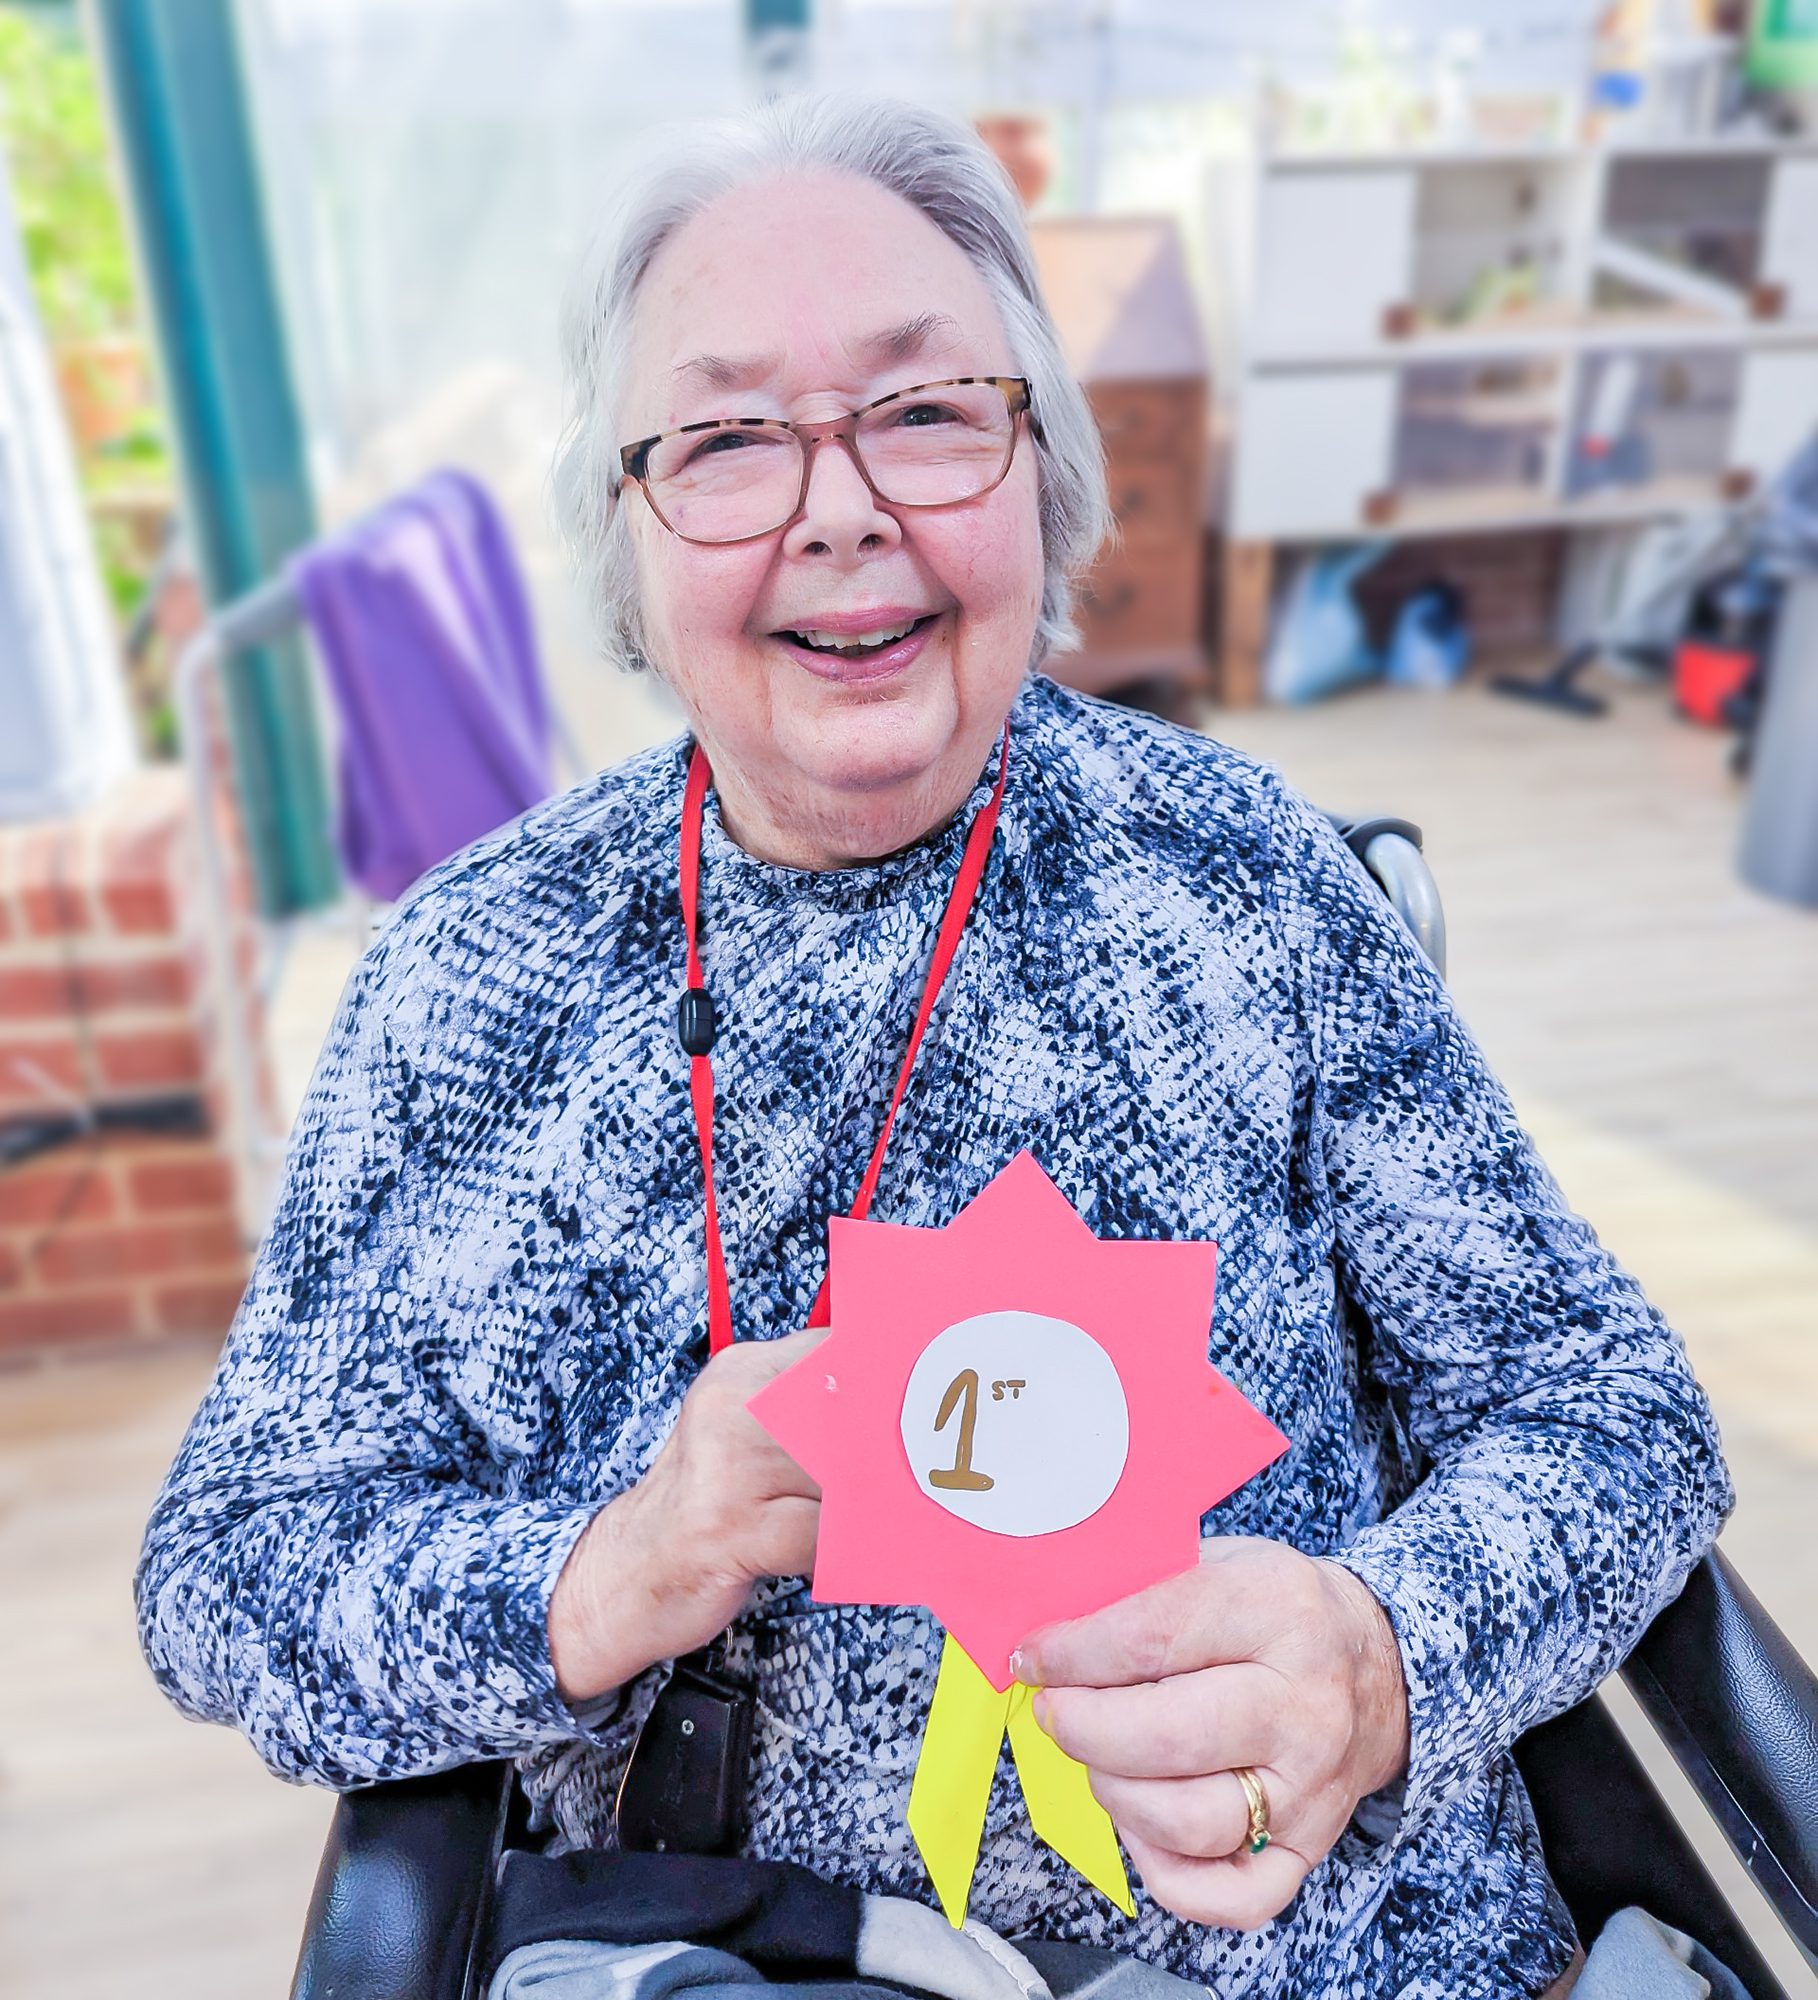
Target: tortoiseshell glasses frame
{"points": [[634, 459]]}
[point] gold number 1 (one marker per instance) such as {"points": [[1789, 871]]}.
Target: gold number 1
{"points": [[959, 1477]]}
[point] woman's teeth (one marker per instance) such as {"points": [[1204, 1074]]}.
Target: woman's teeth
{"points": [[857, 642]]}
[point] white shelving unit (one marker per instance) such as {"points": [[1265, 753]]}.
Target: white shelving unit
{"points": [[1665, 353], [1472, 340]]}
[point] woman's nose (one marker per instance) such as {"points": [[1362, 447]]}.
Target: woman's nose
{"points": [[840, 514]]}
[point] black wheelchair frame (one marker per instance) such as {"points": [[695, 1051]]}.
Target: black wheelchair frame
{"points": [[404, 1894]]}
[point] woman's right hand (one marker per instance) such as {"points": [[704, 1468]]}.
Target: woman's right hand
{"points": [[670, 1563]]}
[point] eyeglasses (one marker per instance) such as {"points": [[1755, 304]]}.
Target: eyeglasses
{"points": [[732, 479]]}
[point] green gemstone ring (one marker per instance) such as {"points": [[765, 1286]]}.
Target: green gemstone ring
{"points": [[1258, 1801]]}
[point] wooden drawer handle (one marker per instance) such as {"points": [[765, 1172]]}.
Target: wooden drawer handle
{"points": [[1110, 604], [1131, 501], [1379, 509]]}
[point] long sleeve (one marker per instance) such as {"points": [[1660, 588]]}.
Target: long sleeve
{"points": [[1568, 1465], [335, 1563]]}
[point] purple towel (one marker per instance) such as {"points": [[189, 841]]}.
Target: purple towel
{"points": [[419, 614]]}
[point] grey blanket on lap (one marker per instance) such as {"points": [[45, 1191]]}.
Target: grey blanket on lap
{"points": [[901, 1944]]}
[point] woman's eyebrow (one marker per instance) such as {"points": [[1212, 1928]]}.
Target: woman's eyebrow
{"points": [[879, 350]]}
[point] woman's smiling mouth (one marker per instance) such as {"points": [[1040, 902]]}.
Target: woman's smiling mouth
{"points": [[833, 642], [849, 651]]}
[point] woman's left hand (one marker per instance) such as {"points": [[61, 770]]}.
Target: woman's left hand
{"points": [[1260, 1657]]}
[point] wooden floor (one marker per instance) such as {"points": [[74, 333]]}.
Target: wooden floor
{"points": [[1656, 1023]]}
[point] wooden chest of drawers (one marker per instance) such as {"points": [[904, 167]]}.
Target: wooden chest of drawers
{"points": [[1118, 291]]}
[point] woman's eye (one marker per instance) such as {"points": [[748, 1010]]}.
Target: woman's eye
{"points": [[730, 444], [920, 415]]}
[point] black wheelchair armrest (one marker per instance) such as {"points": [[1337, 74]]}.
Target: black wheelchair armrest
{"points": [[403, 1896], [1738, 1708], [402, 1892]]}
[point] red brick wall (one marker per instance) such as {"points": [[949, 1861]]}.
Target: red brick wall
{"points": [[105, 998]]}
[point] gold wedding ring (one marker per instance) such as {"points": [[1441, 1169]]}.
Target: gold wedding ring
{"points": [[1258, 1837]]}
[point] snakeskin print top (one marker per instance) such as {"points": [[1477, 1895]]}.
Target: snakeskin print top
{"points": [[483, 1296]]}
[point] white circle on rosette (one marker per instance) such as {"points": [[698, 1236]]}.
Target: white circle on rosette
{"points": [[1053, 1449]]}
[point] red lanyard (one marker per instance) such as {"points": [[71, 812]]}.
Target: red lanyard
{"points": [[696, 1020]]}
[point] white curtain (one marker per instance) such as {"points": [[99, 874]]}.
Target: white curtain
{"points": [[65, 736]]}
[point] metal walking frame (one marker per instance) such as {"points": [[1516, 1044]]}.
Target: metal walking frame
{"points": [[271, 612], [257, 1148]]}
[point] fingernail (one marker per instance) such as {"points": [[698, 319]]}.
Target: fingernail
{"points": [[1023, 1668]]}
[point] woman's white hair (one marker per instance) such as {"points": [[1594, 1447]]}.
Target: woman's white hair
{"points": [[934, 162]]}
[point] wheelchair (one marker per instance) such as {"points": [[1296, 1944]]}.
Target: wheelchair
{"points": [[404, 1895]]}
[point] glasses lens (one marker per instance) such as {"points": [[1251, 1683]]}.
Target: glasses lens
{"points": [[721, 485], [930, 447]]}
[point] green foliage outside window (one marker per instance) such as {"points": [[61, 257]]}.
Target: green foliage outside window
{"points": [[52, 128], [53, 133]]}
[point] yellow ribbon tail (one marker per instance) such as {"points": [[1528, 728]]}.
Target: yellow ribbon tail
{"points": [[1062, 1808], [953, 1776], [966, 1724]]}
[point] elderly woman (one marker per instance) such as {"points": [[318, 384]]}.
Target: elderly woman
{"points": [[469, 1477]]}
